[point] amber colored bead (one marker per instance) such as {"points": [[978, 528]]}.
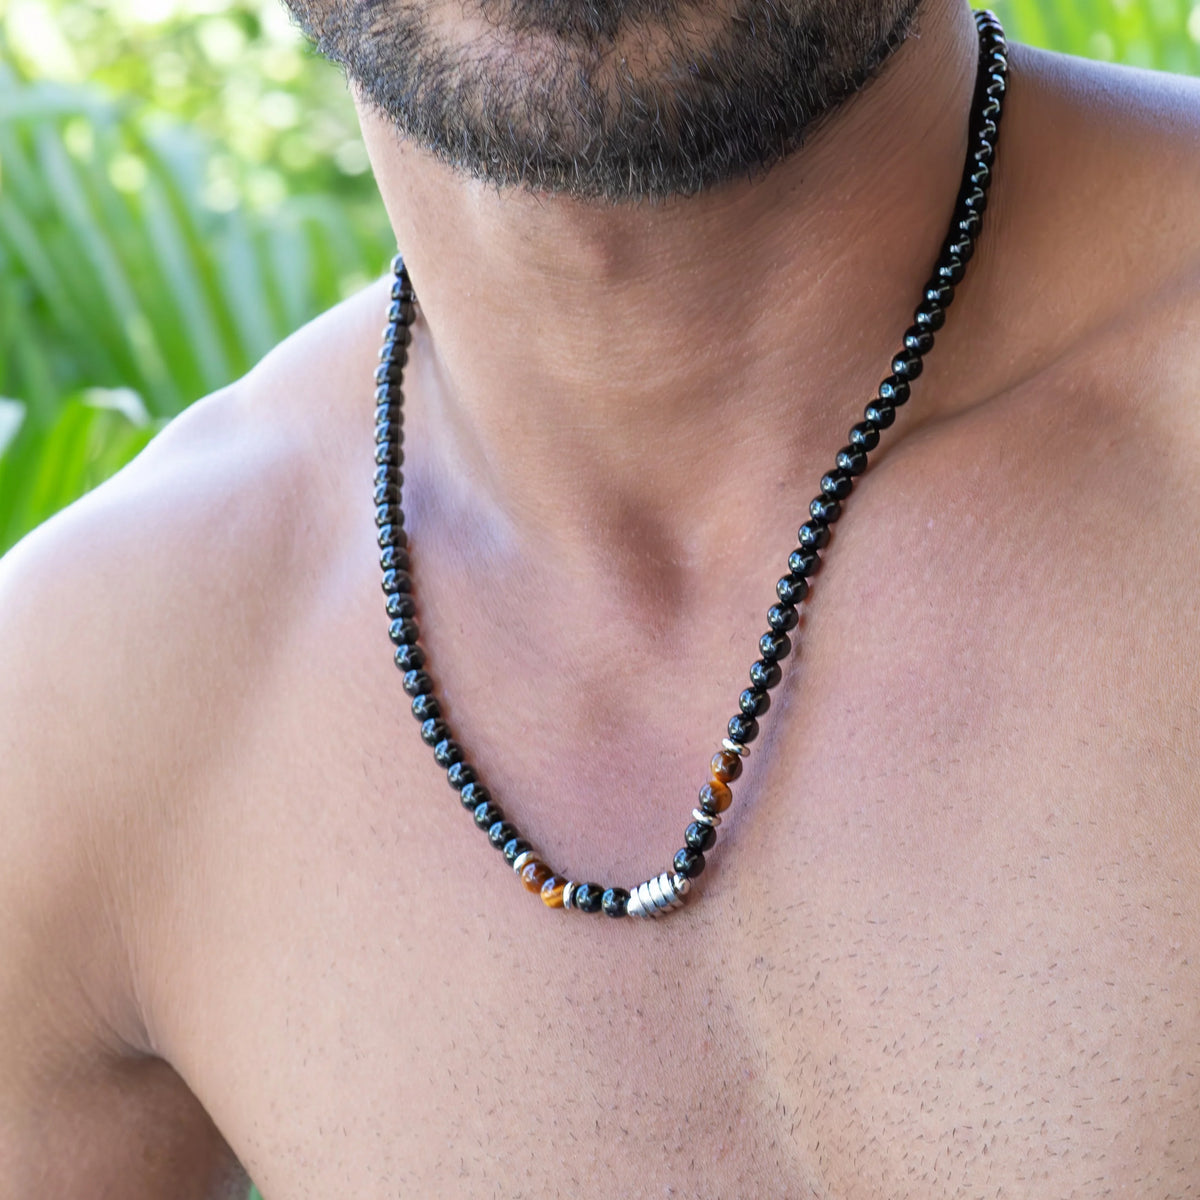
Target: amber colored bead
{"points": [[715, 797], [552, 892], [726, 766], [534, 873]]}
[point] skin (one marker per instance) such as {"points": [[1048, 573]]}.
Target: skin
{"points": [[947, 945]]}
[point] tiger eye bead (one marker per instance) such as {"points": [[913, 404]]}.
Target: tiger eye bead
{"points": [[726, 766], [534, 873], [552, 892], [715, 797]]}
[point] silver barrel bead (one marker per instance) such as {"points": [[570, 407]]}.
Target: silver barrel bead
{"points": [[658, 895]]}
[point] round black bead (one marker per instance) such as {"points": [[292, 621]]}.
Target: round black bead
{"points": [[387, 492], [880, 413], [783, 617], [754, 703], [501, 832], [791, 589], [393, 558], [514, 848], [447, 752], [391, 535], [930, 316], [851, 460], [588, 898], [907, 364], [976, 201], [825, 508], [388, 372], [396, 580], [894, 391], [699, 837], [808, 562], [688, 862], [410, 657], [487, 814], [918, 340], [940, 292], [403, 629], [742, 729], [615, 902], [765, 674], [774, 646], [385, 454], [399, 605], [460, 774], [837, 484], [425, 707], [433, 730], [864, 435], [474, 794], [813, 535], [416, 682]]}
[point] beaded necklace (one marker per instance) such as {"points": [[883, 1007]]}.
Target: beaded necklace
{"points": [[666, 891]]}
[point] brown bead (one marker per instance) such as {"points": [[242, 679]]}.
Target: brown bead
{"points": [[552, 892], [715, 796], [726, 766], [534, 873]]}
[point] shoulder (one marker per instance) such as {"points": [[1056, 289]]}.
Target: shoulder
{"points": [[134, 628]]}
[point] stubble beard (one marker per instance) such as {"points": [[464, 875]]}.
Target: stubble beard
{"points": [[610, 100]]}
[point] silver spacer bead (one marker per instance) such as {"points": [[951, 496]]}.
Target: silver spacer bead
{"points": [[522, 859], [734, 747], [682, 884], [569, 893], [656, 896], [703, 818]]}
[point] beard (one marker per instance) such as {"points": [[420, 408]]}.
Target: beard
{"points": [[611, 100]]}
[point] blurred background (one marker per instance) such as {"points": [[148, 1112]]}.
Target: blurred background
{"points": [[182, 184]]}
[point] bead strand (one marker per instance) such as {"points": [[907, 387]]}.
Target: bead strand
{"points": [[665, 892]]}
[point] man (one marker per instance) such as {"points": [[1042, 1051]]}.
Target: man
{"points": [[948, 943]]}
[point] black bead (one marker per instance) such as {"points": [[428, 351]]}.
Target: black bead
{"points": [[952, 270], [970, 223], [410, 657], [385, 454], [514, 848], [742, 729], [487, 814], [783, 618], [392, 535], [880, 414], [399, 605], [387, 493], [460, 774], [825, 508], [383, 474], [894, 391], [397, 354], [474, 794], [398, 268], [864, 435], [402, 630], [416, 682], [765, 674], [930, 316], [774, 646], [501, 832], [806, 562], [813, 535], [962, 249], [615, 902], [791, 589], [754, 703], [588, 898], [425, 707], [907, 364], [939, 292], [976, 201], [852, 461], [433, 730], [837, 484], [388, 372], [917, 340], [393, 558], [396, 580], [688, 862], [699, 837], [399, 331], [447, 752]]}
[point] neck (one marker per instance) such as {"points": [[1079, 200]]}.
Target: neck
{"points": [[582, 362]]}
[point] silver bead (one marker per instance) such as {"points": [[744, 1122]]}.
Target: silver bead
{"points": [[682, 884], [569, 893], [656, 896], [522, 859], [734, 747], [703, 818], [635, 908]]}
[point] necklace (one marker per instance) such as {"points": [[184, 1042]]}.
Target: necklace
{"points": [[665, 892]]}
